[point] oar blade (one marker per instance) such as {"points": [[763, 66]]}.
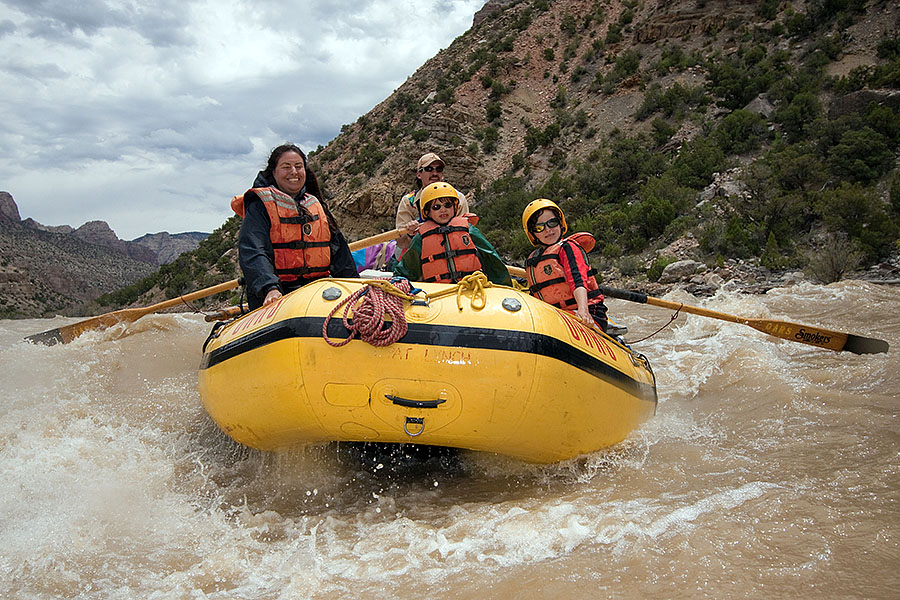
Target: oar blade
{"points": [[67, 333], [863, 345], [817, 336], [47, 338]]}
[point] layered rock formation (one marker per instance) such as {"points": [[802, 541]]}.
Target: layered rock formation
{"points": [[46, 270]]}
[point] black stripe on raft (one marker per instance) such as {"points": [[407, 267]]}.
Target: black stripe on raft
{"points": [[480, 338]]}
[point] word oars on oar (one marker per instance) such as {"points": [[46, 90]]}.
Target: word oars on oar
{"points": [[67, 333]]}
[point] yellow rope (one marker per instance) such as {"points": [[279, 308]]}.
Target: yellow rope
{"points": [[389, 288], [476, 283]]}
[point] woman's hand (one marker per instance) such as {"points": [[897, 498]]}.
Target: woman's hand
{"points": [[272, 295], [412, 228]]}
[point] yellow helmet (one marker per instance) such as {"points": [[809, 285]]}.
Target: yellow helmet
{"points": [[536, 206], [435, 191]]}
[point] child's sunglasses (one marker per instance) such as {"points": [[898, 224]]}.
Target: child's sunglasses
{"points": [[539, 227], [436, 205]]}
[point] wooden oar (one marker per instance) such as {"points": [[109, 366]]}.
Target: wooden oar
{"points": [[793, 332], [67, 333], [516, 271], [387, 236]]}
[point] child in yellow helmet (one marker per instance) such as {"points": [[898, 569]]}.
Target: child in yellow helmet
{"points": [[448, 247], [558, 271]]}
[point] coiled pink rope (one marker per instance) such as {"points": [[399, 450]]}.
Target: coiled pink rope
{"points": [[370, 305]]}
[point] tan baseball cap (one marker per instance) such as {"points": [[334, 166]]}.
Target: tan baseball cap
{"points": [[427, 159]]}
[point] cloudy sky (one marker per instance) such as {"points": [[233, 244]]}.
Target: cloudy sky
{"points": [[150, 114]]}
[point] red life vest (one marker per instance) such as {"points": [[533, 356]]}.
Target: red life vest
{"points": [[448, 251], [547, 278], [302, 249]]}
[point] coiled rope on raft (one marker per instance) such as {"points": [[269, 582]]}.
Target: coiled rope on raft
{"points": [[378, 312], [373, 305]]}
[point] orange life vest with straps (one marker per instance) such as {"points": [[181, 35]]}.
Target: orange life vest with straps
{"points": [[448, 252], [547, 278], [302, 249]]}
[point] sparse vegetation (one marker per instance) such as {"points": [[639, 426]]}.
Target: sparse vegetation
{"points": [[751, 93]]}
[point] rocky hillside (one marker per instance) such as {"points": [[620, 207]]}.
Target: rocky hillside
{"points": [[46, 270], [631, 113], [754, 139], [43, 273], [166, 247]]}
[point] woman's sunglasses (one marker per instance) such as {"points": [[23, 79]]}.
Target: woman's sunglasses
{"points": [[539, 227], [429, 168]]}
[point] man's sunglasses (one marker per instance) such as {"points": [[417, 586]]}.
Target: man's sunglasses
{"points": [[436, 205], [539, 227], [429, 168]]}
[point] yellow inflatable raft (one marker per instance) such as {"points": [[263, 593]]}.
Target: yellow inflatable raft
{"points": [[489, 369]]}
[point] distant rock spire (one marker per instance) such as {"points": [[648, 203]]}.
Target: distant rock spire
{"points": [[8, 209], [490, 8]]}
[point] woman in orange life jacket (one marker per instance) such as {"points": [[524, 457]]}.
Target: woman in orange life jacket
{"points": [[558, 271], [288, 236], [448, 247]]}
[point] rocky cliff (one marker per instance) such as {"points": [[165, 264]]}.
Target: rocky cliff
{"points": [[529, 66], [168, 246], [44, 273], [46, 270], [8, 209]]}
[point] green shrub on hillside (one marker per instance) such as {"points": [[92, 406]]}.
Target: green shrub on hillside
{"points": [[860, 213], [795, 167], [658, 266], [861, 156], [797, 116], [733, 238], [675, 101], [741, 132], [835, 256], [696, 162], [739, 78]]}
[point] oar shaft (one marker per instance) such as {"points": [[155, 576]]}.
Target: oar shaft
{"points": [[516, 271], [387, 236], [794, 332], [216, 289]]}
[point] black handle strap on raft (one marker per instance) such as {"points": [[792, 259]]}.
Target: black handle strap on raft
{"points": [[415, 403]]}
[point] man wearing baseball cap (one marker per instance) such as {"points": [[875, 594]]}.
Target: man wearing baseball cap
{"points": [[429, 169]]}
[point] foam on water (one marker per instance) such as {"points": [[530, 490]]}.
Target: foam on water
{"points": [[768, 467]]}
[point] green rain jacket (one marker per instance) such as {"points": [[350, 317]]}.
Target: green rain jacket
{"points": [[410, 266]]}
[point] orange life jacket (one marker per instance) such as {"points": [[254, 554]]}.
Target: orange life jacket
{"points": [[302, 250], [448, 252], [547, 279]]}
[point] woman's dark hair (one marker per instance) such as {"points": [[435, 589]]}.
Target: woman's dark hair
{"points": [[312, 182]]}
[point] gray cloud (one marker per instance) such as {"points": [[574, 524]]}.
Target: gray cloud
{"points": [[160, 22], [39, 72], [152, 115]]}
